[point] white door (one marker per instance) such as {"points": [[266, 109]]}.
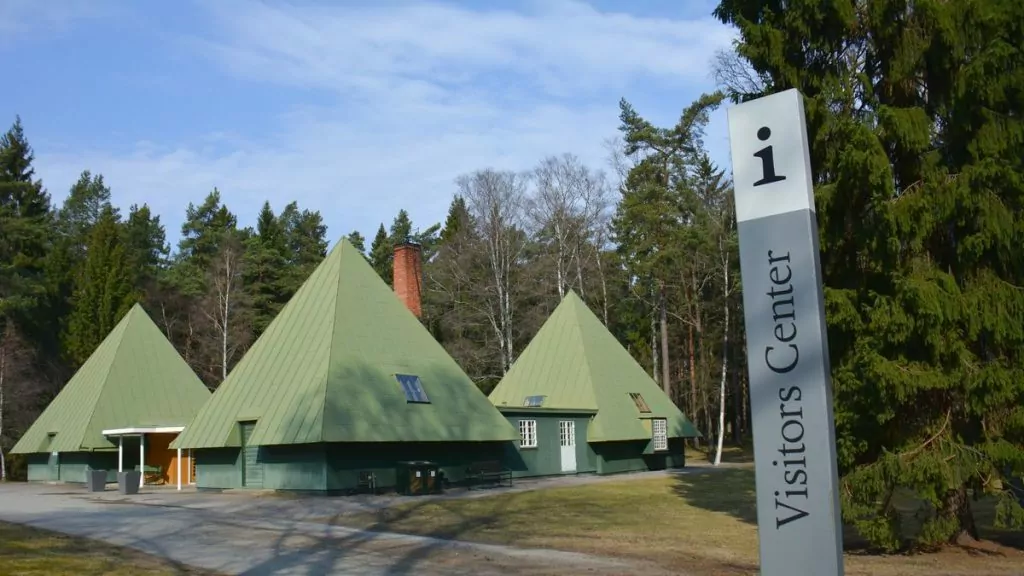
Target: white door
{"points": [[567, 441]]}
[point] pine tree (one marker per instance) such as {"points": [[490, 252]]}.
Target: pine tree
{"points": [[266, 267], [358, 241], [104, 290], [381, 254], [917, 147]]}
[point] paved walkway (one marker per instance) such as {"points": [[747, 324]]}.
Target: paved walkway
{"points": [[236, 534]]}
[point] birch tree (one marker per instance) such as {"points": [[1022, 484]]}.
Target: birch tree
{"points": [[496, 202]]}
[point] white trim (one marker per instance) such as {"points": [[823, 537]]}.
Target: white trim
{"points": [[141, 430], [527, 433], [659, 433]]}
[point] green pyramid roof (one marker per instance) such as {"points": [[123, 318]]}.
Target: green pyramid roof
{"points": [[576, 363], [325, 371], [134, 378]]}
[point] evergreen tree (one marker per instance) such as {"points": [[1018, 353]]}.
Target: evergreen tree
{"points": [[104, 290], [358, 241], [917, 147], [146, 244], [381, 254], [266, 268], [306, 237], [24, 231]]}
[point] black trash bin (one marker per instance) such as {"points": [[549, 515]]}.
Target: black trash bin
{"points": [[128, 481], [96, 480], [418, 477]]}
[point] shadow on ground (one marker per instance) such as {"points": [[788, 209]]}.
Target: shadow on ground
{"points": [[727, 491]]}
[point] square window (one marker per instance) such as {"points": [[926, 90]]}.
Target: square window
{"points": [[641, 404], [413, 388], [534, 401], [660, 429], [527, 433]]}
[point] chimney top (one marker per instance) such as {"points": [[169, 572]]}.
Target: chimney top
{"points": [[407, 275]]}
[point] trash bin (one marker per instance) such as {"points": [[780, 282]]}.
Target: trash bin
{"points": [[96, 480], [418, 477], [128, 481]]}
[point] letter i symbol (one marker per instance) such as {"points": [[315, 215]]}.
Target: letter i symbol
{"points": [[767, 156]]}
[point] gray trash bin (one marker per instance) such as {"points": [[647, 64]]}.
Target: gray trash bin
{"points": [[128, 481], [96, 480]]}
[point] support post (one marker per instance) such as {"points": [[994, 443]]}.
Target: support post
{"points": [[798, 514], [179, 469], [120, 454], [142, 460]]}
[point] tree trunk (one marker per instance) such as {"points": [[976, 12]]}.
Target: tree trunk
{"points": [[725, 364], [666, 377], [654, 349], [604, 289], [3, 370], [957, 507]]}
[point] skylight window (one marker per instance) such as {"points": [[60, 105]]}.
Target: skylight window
{"points": [[413, 388], [534, 401], [641, 404]]}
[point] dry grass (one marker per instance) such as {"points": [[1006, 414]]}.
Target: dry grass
{"points": [[700, 523], [26, 551]]}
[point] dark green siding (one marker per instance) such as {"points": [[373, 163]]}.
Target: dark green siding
{"points": [[71, 466], [297, 467], [618, 457], [252, 469], [336, 467], [218, 468], [546, 458]]}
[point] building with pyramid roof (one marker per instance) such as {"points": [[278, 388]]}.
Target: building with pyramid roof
{"points": [[120, 410], [343, 386], [582, 403]]}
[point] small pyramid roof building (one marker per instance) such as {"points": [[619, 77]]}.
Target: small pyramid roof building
{"points": [[346, 361], [574, 362], [134, 378]]}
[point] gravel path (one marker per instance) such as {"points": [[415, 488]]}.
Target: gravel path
{"points": [[236, 534]]}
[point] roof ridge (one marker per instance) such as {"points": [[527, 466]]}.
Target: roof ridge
{"points": [[127, 319], [576, 302], [330, 347]]}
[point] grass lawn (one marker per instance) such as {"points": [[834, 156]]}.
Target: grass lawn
{"points": [[701, 523], [26, 551]]}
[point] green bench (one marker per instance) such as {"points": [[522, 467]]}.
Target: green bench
{"points": [[150, 471]]}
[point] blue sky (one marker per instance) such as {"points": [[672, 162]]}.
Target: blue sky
{"points": [[355, 109]]}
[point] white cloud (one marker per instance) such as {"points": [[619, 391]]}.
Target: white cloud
{"points": [[19, 18], [419, 94]]}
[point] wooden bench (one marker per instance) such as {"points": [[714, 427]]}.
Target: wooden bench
{"points": [[487, 472], [151, 472]]}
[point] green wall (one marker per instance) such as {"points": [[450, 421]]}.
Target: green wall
{"points": [[72, 466], [600, 457], [335, 467], [619, 457], [546, 458]]}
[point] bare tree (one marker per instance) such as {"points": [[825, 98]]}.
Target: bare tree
{"points": [[567, 210], [224, 307], [15, 360], [733, 73], [496, 200]]}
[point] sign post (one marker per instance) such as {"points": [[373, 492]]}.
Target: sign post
{"points": [[798, 514]]}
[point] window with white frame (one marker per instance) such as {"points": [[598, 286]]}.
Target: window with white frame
{"points": [[527, 433], [660, 428]]}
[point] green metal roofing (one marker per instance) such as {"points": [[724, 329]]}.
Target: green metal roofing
{"points": [[134, 378], [575, 362], [325, 371]]}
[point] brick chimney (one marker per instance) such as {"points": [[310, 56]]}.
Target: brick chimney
{"points": [[408, 276]]}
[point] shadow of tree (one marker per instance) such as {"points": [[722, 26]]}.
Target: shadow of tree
{"points": [[727, 491]]}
